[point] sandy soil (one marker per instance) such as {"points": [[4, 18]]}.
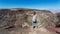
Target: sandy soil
{"points": [[29, 30]]}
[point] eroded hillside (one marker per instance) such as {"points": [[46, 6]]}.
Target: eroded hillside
{"points": [[19, 18]]}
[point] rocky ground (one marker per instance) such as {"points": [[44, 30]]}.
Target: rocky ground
{"points": [[13, 21], [28, 30]]}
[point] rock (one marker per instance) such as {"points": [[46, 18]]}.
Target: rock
{"points": [[17, 17], [58, 22]]}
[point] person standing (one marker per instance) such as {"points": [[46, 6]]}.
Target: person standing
{"points": [[34, 19]]}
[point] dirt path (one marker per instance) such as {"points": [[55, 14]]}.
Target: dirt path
{"points": [[31, 31]]}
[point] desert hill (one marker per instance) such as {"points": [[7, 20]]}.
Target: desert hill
{"points": [[17, 17]]}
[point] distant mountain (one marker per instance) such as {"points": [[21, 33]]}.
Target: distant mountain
{"points": [[22, 9], [55, 11]]}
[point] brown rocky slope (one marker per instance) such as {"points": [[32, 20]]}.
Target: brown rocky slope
{"points": [[17, 18]]}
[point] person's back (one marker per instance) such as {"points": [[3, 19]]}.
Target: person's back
{"points": [[34, 20]]}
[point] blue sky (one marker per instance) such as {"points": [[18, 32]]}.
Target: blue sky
{"points": [[34, 4]]}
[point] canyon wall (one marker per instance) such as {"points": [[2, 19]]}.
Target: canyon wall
{"points": [[17, 17]]}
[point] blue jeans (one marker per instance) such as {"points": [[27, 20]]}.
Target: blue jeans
{"points": [[34, 24]]}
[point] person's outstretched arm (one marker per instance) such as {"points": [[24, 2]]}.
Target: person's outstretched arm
{"points": [[45, 16], [29, 14]]}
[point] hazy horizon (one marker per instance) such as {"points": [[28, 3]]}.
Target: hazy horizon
{"points": [[32, 4]]}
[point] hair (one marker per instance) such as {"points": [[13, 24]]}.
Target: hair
{"points": [[34, 12]]}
